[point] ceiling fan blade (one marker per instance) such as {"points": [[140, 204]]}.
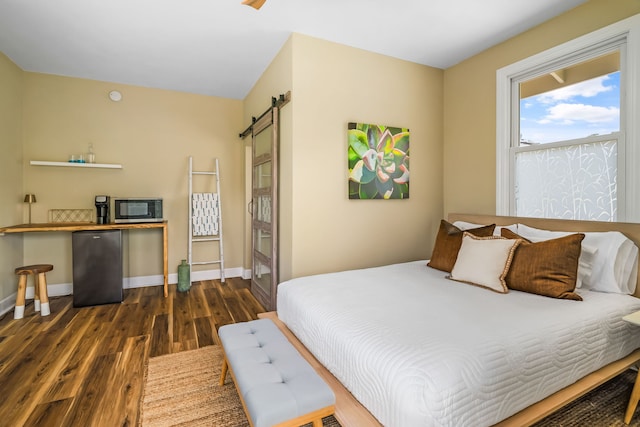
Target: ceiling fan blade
{"points": [[256, 4]]}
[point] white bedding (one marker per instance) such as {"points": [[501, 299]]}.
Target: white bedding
{"points": [[417, 349]]}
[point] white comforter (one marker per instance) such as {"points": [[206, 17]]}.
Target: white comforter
{"points": [[417, 349]]}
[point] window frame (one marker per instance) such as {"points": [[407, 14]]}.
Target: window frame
{"points": [[625, 33]]}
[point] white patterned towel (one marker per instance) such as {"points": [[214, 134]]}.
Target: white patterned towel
{"points": [[206, 211]]}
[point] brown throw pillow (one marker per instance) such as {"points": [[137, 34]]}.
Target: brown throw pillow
{"points": [[448, 241], [548, 268]]}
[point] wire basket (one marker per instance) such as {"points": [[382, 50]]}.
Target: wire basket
{"points": [[71, 215]]}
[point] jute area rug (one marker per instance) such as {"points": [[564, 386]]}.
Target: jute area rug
{"points": [[182, 390]]}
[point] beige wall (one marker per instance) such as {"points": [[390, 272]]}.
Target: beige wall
{"points": [[151, 133], [276, 80], [332, 86], [322, 230], [11, 186], [470, 102]]}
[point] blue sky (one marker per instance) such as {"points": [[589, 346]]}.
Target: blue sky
{"points": [[576, 111]]}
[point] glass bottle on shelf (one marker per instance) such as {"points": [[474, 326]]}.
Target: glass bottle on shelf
{"points": [[91, 157]]}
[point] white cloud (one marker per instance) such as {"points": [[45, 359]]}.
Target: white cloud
{"points": [[569, 113], [587, 89]]}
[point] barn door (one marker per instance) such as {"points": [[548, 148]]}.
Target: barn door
{"points": [[264, 209]]}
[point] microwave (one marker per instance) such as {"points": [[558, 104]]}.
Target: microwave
{"points": [[137, 209]]}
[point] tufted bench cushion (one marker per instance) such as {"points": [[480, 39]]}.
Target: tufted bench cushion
{"points": [[276, 385]]}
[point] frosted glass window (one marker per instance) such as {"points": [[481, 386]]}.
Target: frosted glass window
{"points": [[568, 182], [567, 129], [566, 157]]}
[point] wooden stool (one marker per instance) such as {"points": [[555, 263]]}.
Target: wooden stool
{"points": [[41, 297]]}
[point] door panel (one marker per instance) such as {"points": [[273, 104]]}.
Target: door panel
{"points": [[262, 175], [262, 242], [261, 276], [264, 224]]}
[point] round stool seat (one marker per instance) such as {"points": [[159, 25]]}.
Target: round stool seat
{"points": [[34, 269]]}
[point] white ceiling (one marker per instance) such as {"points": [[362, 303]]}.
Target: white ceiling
{"points": [[220, 47]]}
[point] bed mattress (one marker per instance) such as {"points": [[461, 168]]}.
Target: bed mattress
{"points": [[417, 349]]}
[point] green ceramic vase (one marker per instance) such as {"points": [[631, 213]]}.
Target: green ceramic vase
{"points": [[184, 279]]}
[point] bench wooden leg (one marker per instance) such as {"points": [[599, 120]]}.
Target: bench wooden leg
{"points": [[317, 423], [18, 312], [223, 374]]}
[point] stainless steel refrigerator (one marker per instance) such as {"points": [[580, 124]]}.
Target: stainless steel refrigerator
{"points": [[97, 267]]}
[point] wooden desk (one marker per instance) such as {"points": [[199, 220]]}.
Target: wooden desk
{"points": [[89, 226]]}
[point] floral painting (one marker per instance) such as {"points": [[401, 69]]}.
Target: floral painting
{"points": [[378, 162]]}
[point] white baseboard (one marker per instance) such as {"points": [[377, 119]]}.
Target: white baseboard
{"points": [[213, 274], [7, 304], [61, 289]]}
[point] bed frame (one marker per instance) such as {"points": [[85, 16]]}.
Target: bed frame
{"points": [[350, 413]]}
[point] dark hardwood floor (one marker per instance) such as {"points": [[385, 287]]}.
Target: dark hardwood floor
{"points": [[85, 366]]}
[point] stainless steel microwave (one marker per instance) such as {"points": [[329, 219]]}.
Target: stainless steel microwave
{"points": [[137, 209]]}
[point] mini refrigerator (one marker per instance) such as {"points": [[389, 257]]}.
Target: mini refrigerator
{"points": [[97, 267]]}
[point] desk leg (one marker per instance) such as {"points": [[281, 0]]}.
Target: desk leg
{"points": [[633, 401], [165, 256]]}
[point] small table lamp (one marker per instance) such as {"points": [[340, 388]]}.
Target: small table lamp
{"points": [[30, 198]]}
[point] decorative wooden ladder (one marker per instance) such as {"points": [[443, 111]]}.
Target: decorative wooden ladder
{"points": [[208, 218]]}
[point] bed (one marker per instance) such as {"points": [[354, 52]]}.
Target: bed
{"points": [[402, 345]]}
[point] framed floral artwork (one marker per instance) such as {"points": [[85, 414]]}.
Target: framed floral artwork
{"points": [[378, 161]]}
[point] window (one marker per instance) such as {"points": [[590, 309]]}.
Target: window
{"points": [[570, 150], [565, 163]]}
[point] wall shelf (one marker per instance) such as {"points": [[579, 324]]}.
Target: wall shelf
{"points": [[76, 165]]}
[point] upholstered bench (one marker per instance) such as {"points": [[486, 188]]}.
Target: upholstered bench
{"points": [[276, 385]]}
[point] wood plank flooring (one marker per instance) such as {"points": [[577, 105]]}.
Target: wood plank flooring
{"points": [[85, 366]]}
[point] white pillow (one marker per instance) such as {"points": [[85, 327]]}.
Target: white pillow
{"points": [[463, 225], [608, 260], [626, 267], [484, 261], [587, 256]]}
